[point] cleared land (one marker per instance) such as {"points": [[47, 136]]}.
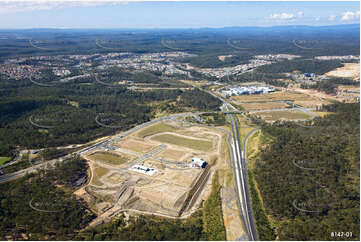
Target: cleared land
{"points": [[262, 106], [283, 115], [116, 178], [169, 190], [349, 70], [322, 114], [312, 104], [181, 141], [171, 154], [154, 129], [314, 93], [135, 145], [98, 172], [349, 88], [110, 158], [275, 96], [223, 57]]}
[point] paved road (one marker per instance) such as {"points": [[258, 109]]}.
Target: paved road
{"points": [[240, 173], [21, 173], [102, 144], [241, 178], [285, 109]]}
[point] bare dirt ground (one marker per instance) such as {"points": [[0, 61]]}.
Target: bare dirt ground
{"points": [[134, 144], [231, 218], [275, 96], [163, 194], [195, 83], [262, 106], [115, 188], [312, 104], [349, 70], [351, 88], [223, 57], [292, 115], [174, 155], [306, 98], [322, 97]]}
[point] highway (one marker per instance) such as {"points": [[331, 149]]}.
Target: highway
{"points": [[240, 174], [21, 173], [239, 162]]}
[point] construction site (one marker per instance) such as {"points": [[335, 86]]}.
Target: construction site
{"points": [[163, 169]]}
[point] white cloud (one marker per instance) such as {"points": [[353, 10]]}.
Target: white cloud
{"points": [[332, 17], [318, 18], [347, 16], [282, 16], [300, 14], [12, 6]]}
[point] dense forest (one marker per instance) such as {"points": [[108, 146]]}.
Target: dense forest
{"points": [[330, 85], [309, 66], [256, 75], [38, 117], [212, 60], [309, 176], [241, 42], [147, 228], [41, 206]]}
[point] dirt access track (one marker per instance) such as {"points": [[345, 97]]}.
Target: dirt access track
{"points": [[175, 190]]}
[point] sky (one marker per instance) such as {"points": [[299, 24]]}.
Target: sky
{"points": [[17, 14]]}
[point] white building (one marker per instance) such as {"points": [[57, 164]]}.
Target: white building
{"points": [[236, 90], [198, 163], [143, 169]]}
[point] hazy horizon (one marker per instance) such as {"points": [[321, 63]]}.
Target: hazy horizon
{"points": [[112, 14]]}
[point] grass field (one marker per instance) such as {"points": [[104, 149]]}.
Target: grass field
{"points": [[245, 127], [253, 146], [4, 159], [154, 129], [110, 158], [98, 173], [285, 115], [226, 177], [181, 141], [322, 114]]}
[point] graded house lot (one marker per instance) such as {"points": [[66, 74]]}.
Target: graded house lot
{"points": [[188, 142], [172, 154], [132, 143], [110, 158], [154, 129]]}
